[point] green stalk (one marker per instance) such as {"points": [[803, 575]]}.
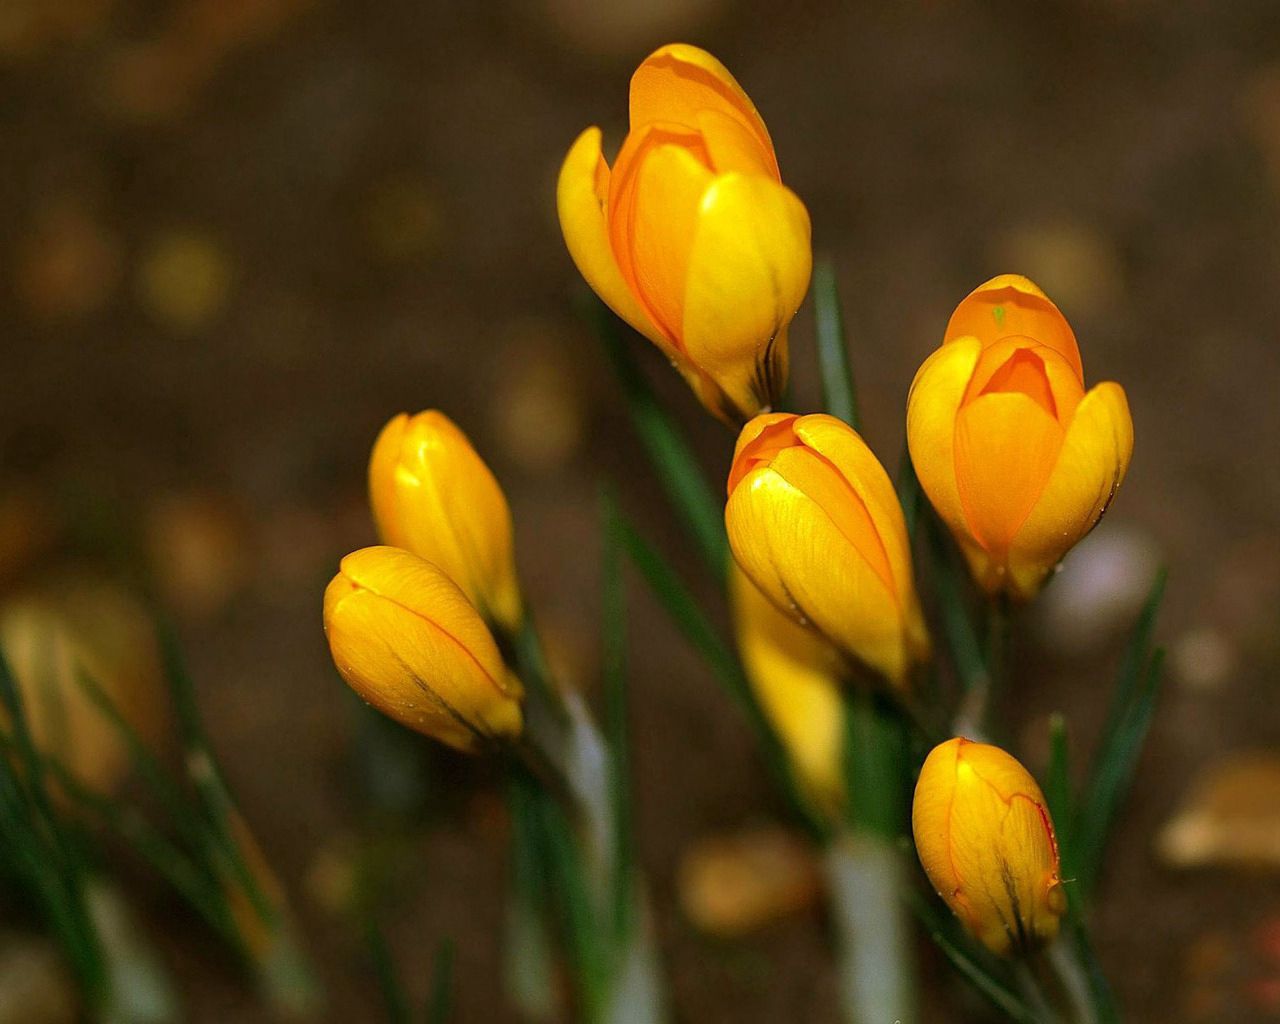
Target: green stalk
{"points": [[701, 510], [839, 391]]}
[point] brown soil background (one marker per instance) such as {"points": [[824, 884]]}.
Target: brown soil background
{"points": [[369, 191]]}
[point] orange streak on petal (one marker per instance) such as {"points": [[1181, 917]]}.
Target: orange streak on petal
{"points": [[655, 192], [678, 82]]}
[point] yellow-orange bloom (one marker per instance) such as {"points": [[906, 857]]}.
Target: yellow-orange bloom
{"points": [[433, 495], [77, 627], [1019, 461], [691, 237], [986, 841], [796, 677], [408, 641], [813, 520]]}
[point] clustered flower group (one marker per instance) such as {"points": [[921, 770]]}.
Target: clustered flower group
{"points": [[691, 238]]}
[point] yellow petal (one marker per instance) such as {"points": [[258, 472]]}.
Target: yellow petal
{"points": [[780, 425], [748, 271], [862, 473], [826, 487], [796, 677], [1093, 460], [1005, 448], [655, 194], [932, 406], [798, 483], [793, 551], [407, 640], [581, 195], [732, 146], [433, 495], [383, 461], [1012, 306], [679, 82], [986, 841]]}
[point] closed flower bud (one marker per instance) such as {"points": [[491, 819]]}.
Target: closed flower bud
{"points": [[408, 641], [795, 675], [814, 522], [986, 841], [1017, 458], [433, 495], [691, 236]]}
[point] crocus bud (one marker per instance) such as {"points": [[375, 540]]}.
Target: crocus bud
{"points": [[986, 841], [408, 641], [814, 522], [796, 678], [691, 237], [433, 495], [1019, 461]]}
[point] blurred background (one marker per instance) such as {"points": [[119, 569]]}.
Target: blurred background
{"points": [[239, 235]]}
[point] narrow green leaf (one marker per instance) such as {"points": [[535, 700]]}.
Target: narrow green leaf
{"points": [[440, 1002], [32, 783], [700, 509], [839, 392], [1057, 792], [1132, 708], [910, 495], [720, 657], [1134, 662], [531, 666], [148, 766], [875, 764], [1111, 783], [529, 969], [614, 639], [394, 1000], [579, 923], [153, 846], [206, 777], [51, 864], [688, 615], [1104, 1002], [971, 963], [957, 622]]}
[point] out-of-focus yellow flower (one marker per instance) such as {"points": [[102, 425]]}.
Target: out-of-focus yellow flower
{"points": [[1017, 458], [433, 495], [84, 627], [691, 237], [732, 885], [796, 678], [986, 841], [408, 641], [814, 522]]}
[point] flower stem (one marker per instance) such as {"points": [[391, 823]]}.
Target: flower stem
{"points": [[866, 875], [972, 716], [1073, 981]]}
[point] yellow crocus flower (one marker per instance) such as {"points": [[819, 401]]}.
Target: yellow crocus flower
{"points": [[433, 495], [691, 237], [1018, 459], [408, 641], [813, 520], [796, 677], [986, 841]]}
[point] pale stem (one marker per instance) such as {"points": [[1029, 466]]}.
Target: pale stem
{"points": [[570, 743], [866, 878], [1075, 984]]}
